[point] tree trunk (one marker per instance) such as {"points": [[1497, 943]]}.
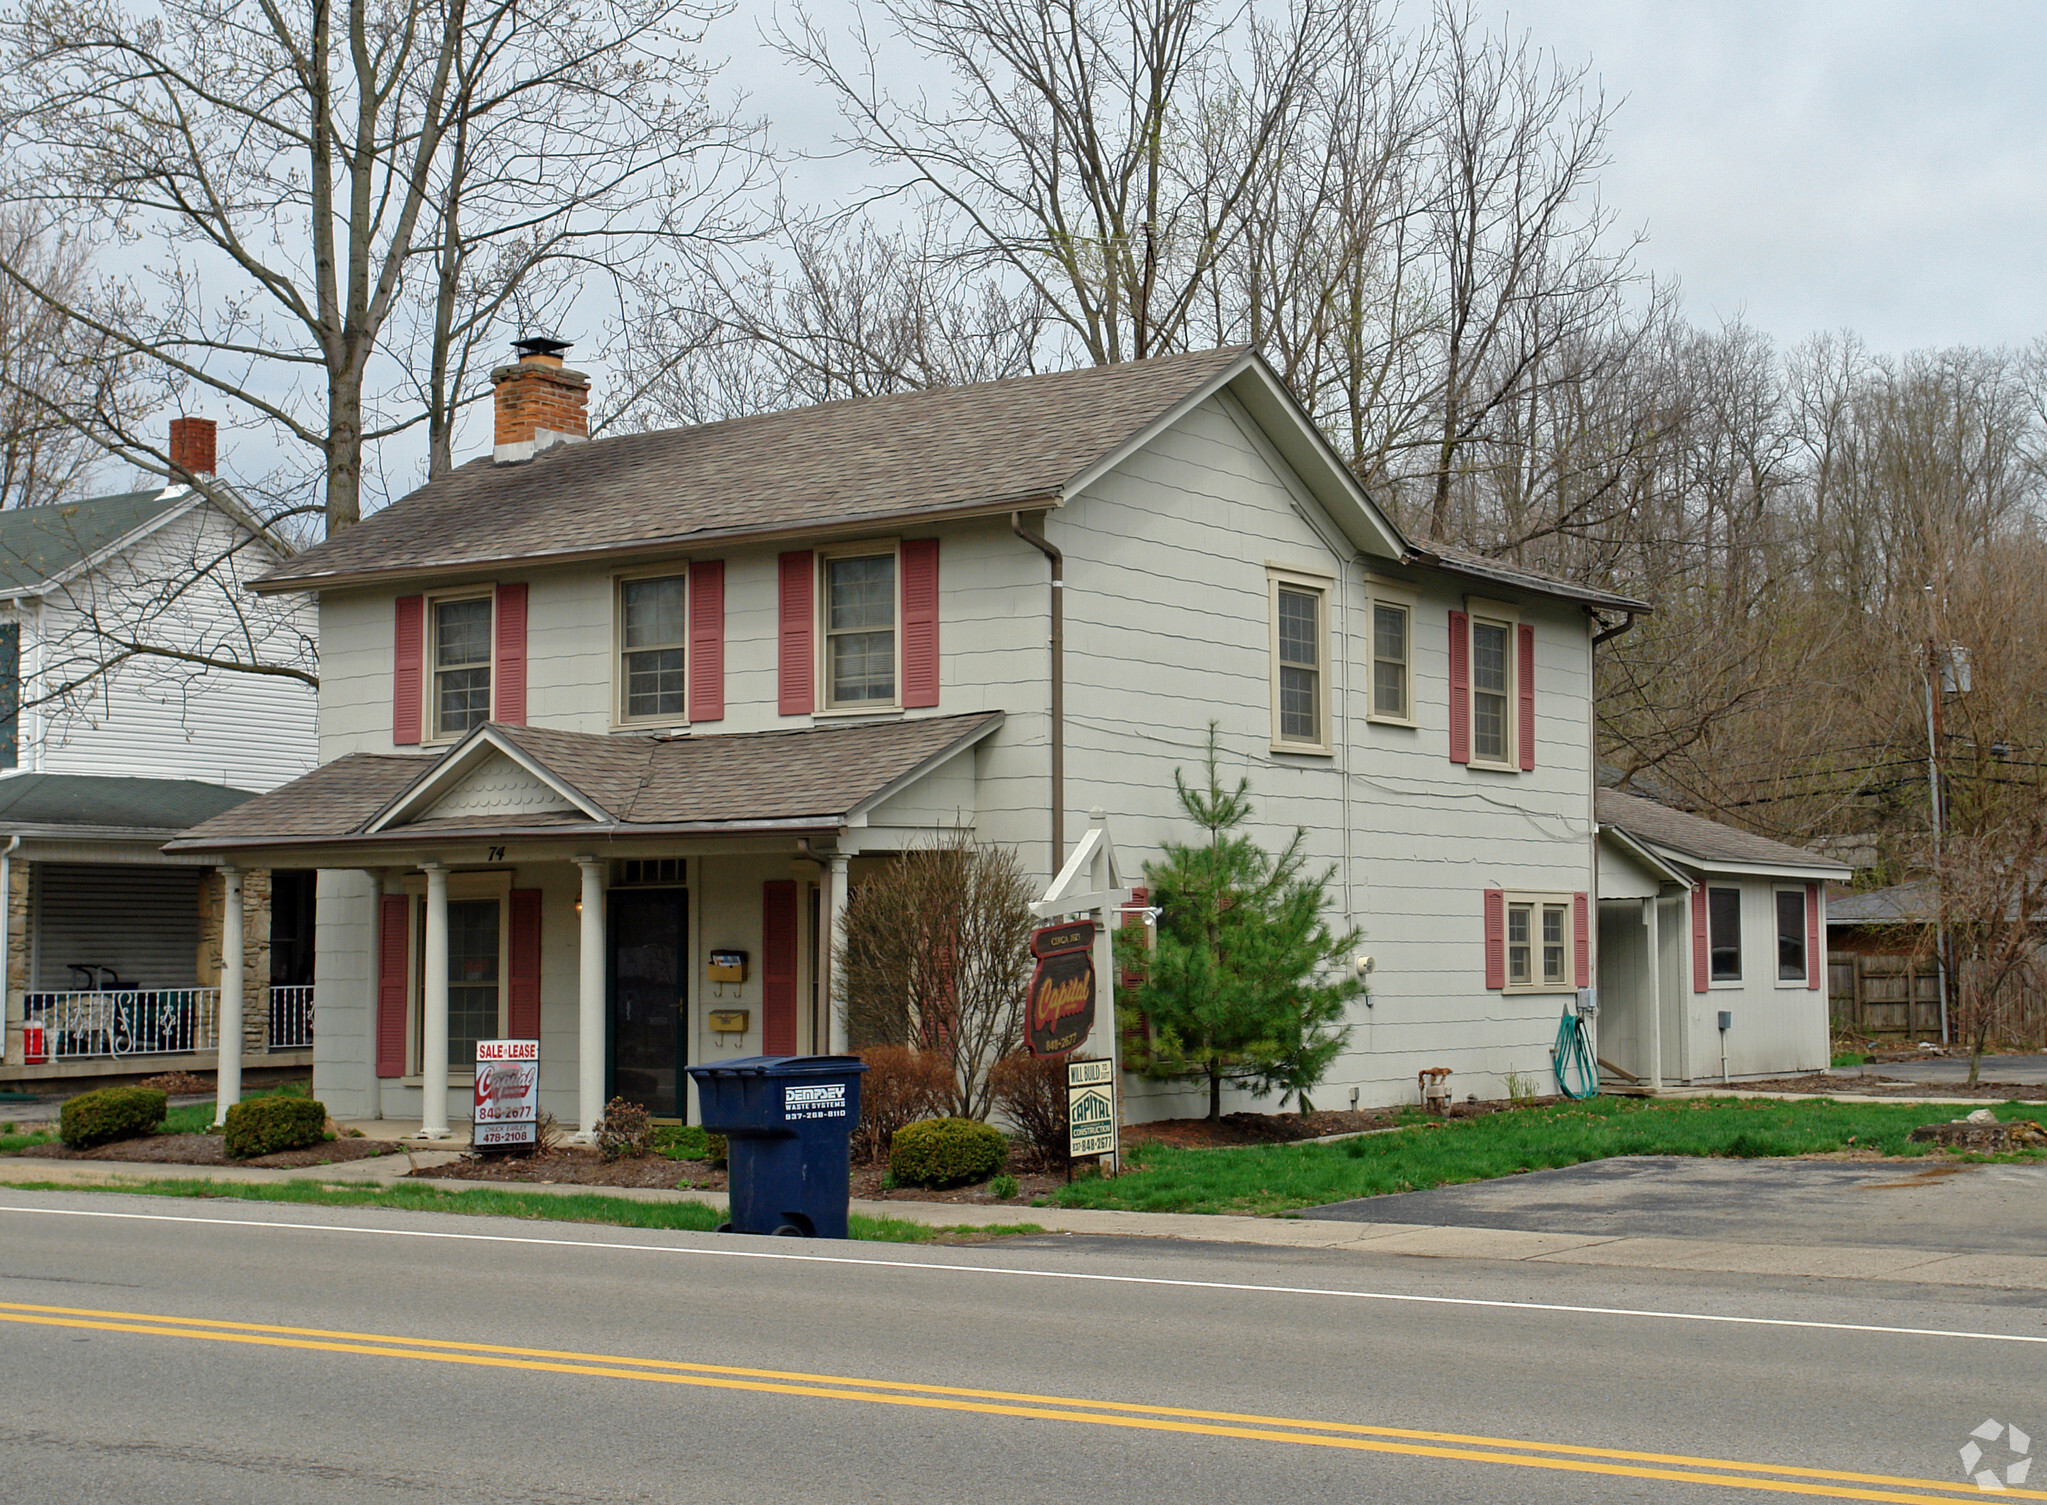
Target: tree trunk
{"points": [[344, 452], [1215, 1093]]}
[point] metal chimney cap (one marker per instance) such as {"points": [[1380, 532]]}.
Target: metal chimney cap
{"points": [[541, 345]]}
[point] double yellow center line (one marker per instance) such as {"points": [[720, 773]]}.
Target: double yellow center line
{"points": [[1460, 1447]]}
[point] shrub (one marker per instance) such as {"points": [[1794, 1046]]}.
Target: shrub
{"points": [[687, 1142], [96, 1118], [900, 1087], [623, 1131], [1003, 1187], [941, 1152], [1030, 1091], [270, 1125]]}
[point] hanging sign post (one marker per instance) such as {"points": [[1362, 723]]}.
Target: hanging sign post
{"points": [[505, 1114], [1073, 957]]}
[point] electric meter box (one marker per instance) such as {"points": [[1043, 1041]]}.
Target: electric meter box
{"points": [[728, 966]]}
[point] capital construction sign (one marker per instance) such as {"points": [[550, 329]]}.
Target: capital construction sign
{"points": [[1060, 1007]]}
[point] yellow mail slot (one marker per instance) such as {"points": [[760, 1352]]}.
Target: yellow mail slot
{"points": [[728, 966], [728, 1021]]}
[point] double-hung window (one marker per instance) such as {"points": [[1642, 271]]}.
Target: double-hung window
{"points": [[1538, 943], [1300, 661], [1791, 932], [1392, 647], [860, 609], [1723, 933], [653, 647], [460, 693], [1492, 690]]}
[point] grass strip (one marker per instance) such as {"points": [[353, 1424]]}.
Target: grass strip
{"points": [[568, 1207], [1267, 1179]]}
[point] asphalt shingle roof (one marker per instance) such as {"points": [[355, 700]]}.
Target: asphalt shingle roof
{"points": [[37, 543], [929, 453], [43, 801], [1695, 836], [813, 773]]}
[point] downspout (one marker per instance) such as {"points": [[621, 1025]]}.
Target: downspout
{"points": [[1037, 540], [1606, 634]]}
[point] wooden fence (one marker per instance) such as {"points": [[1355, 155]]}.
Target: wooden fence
{"points": [[1898, 998]]}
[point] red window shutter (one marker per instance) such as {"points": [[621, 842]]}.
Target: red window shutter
{"points": [[1460, 689], [407, 663], [522, 994], [798, 634], [1495, 938], [508, 674], [1815, 957], [778, 967], [920, 621], [394, 935], [1581, 935], [1524, 680], [707, 640], [1701, 977]]}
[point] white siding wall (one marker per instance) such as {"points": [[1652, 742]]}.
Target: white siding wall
{"points": [[1779, 1027], [157, 718]]}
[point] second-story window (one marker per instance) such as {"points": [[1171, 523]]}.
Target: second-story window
{"points": [[1389, 660], [1491, 690], [653, 647], [461, 660], [860, 630]]}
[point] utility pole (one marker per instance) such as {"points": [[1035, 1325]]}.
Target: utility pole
{"points": [[1935, 797]]}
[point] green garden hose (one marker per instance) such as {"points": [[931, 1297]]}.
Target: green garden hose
{"points": [[1572, 1056]]}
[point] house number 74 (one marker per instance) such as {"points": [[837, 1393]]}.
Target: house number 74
{"points": [[497, 854]]}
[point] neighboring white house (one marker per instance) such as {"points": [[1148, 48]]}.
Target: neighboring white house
{"points": [[119, 727], [591, 711], [1712, 947]]}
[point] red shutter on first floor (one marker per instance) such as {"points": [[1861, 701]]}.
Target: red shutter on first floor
{"points": [[394, 936], [778, 967], [1524, 680], [1581, 936], [797, 634], [707, 640], [1815, 954], [522, 993], [1495, 938], [408, 699], [920, 622], [1460, 687], [1701, 975], [508, 673]]}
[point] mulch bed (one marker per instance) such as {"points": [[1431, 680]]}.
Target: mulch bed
{"points": [[207, 1149], [1891, 1086], [1290, 1128]]}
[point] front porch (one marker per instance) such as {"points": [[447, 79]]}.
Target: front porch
{"points": [[635, 904]]}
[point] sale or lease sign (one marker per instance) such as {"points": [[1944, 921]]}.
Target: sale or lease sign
{"points": [[506, 1110]]}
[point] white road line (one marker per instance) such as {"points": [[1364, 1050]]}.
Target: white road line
{"points": [[1025, 1274]]}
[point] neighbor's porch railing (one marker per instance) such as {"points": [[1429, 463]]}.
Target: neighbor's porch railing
{"points": [[116, 1022]]}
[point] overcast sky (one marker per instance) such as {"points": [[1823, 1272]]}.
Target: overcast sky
{"points": [[1872, 165]]}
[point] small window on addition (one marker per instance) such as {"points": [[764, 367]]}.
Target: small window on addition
{"points": [[1790, 935], [1723, 933]]}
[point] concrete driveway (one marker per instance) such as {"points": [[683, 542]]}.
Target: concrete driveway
{"points": [[1940, 1205], [2028, 1071]]}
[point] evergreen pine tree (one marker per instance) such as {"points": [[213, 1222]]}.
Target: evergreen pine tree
{"points": [[1245, 982]]}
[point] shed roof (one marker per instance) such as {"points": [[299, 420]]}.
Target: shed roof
{"points": [[40, 543], [1702, 840], [59, 801]]}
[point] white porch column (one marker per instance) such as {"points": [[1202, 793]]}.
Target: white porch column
{"points": [[835, 917], [1655, 942], [227, 1027], [433, 1056], [590, 1003]]}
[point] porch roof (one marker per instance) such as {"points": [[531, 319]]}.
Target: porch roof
{"points": [[811, 779], [1694, 841], [79, 805]]}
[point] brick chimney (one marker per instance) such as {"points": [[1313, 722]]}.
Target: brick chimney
{"points": [[192, 441], [540, 403]]}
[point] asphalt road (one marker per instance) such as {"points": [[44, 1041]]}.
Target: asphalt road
{"points": [[169, 1350]]}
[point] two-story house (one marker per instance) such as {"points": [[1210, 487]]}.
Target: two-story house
{"points": [[122, 723], [594, 712]]}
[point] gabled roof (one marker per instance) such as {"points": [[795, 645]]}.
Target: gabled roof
{"points": [[72, 803], [1476, 566], [1694, 841], [813, 778], [38, 544]]}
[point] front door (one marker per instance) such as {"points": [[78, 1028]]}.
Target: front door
{"points": [[649, 999]]}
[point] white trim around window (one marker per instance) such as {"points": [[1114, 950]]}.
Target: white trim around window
{"points": [[854, 642], [1723, 936], [1495, 695], [460, 673], [1540, 943], [1391, 612], [1778, 895], [661, 648], [1297, 641]]}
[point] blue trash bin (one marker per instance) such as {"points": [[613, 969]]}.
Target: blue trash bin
{"points": [[788, 1122]]}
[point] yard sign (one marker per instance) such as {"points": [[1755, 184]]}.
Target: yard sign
{"points": [[1088, 884], [506, 1110]]}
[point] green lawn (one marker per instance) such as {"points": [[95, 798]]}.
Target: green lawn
{"points": [[1280, 1178], [580, 1207]]}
